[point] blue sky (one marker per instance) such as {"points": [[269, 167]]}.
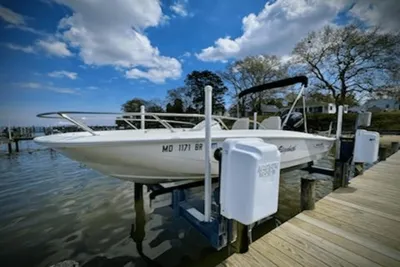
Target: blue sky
{"points": [[94, 55]]}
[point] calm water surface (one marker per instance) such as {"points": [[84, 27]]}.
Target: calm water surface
{"points": [[52, 209]]}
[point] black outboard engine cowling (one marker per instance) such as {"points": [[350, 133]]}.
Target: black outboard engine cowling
{"points": [[295, 121]]}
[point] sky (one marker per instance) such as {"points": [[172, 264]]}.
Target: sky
{"points": [[93, 55]]}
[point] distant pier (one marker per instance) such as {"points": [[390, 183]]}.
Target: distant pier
{"points": [[357, 225]]}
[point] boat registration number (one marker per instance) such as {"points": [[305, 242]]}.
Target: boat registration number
{"points": [[185, 147]]}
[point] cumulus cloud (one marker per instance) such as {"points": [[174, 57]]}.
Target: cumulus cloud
{"points": [[377, 12], [63, 73], [11, 17], [54, 48], [26, 49], [116, 38], [275, 29], [179, 8]]}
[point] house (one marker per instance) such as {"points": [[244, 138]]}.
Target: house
{"points": [[267, 109], [382, 105], [319, 107]]}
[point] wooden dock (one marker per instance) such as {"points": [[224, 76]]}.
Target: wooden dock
{"points": [[354, 226]]}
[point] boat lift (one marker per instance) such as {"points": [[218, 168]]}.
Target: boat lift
{"points": [[216, 222], [235, 198]]}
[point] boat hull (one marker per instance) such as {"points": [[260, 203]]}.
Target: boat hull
{"points": [[172, 160]]}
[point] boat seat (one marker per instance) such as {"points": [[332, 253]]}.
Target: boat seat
{"points": [[200, 126], [241, 124], [272, 123]]}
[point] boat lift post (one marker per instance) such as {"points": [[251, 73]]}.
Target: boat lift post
{"points": [[207, 150], [339, 130], [255, 121], [142, 117]]}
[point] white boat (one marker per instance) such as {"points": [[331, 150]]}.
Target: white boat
{"points": [[163, 155]]}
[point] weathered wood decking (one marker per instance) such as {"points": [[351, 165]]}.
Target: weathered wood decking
{"points": [[354, 226]]}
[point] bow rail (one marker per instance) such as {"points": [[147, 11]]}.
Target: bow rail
{"points": [[129, 117]]}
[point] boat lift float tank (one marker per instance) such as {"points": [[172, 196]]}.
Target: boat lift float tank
{"points": [[366, 147], [249, 179]]}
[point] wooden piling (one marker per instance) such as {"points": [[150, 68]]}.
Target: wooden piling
{"points": [[9, 147], [395, 147], [307, 199], [16, 146], [340, 178], [242, 241], [382, 153]]}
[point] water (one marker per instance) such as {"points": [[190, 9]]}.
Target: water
{"points": [[53, 209]]}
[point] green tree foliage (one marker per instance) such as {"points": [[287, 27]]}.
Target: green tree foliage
{"points": [[178, 101], [134, 104], [252, 71], [194, 89], [176, 107], [349, 60]]}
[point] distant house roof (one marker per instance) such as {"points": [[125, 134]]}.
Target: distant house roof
{"points": [[269, 108], [311, 103], [354, 109], [382, 104]]}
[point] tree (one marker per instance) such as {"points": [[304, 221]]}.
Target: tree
{"points": [[176, 107], [349, 60], [252, 71], [178, 100], [134, 104], [194, 88]]}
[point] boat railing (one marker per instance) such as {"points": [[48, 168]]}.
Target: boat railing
{"points": [[129, 117]]}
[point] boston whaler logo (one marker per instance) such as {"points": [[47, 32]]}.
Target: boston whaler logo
{"points": [[287, 149], [319, 145]]}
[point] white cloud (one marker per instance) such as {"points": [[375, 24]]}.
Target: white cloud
{"points": [[378, 12], [30, 85], [17, 21], [26, 29], [26, 49], [116, 38], [11, 17], [60, 90], [169, 68], [63, 73], [275, 29], [179, 7], [55, 48]]}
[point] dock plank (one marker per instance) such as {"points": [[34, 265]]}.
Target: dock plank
{"points": [[339, 255], [308, 245], [353, 226], [345, 243], [359, 218], [292, 251]]}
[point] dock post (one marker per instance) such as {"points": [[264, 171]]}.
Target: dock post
{"points": [[341, 174], [242, 241], [395, 147], [9, 147], [16, 146], [382, 153], [137, 231], [307, 199]]}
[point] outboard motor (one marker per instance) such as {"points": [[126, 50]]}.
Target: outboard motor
{"points": [[295, 121]]}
